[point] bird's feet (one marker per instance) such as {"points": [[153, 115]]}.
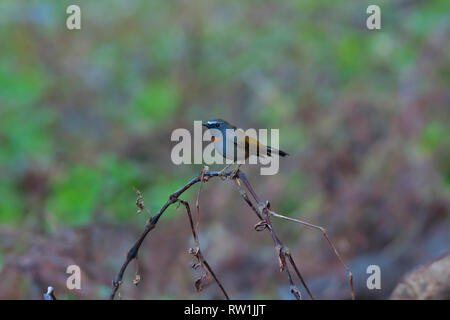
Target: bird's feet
{"points": [[235, 173], [222, 174]]}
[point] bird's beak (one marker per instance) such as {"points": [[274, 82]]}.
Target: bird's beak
{"points": [[205, 124]]}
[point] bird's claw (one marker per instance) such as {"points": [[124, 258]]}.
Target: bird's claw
{"points": [[234, 174], [222, 175]]}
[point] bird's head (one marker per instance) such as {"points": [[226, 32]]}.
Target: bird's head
{"points": [[218, 124]]}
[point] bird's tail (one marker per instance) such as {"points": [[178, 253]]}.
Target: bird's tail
{"points": [[279, 152]]}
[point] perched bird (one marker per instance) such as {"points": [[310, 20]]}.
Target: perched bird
{"points": [[234, 144]]}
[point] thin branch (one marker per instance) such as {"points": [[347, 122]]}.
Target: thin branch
{"points": [[350, 275], [265, 208], [197, 252], [262, 211], [197, 206], [282, 251], [151, 224]]}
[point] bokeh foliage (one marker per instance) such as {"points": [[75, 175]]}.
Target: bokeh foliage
{"points": [[86, 115]]}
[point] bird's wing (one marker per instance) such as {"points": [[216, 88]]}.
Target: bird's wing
{"points": [[251, 145]]}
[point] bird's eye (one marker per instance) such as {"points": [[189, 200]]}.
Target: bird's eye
{"points": [[217, 125]]}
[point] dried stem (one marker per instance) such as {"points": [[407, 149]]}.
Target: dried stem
{"points": [[336, 253], [197, 252], [151, 224], [282, 251], [262, 211]]}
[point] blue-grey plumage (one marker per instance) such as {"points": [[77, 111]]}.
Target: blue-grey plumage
{"points": [[242, 146]]}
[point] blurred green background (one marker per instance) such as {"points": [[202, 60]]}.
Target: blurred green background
{"points": [[86, 115]]}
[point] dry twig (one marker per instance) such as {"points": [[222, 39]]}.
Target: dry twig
{"points": [[201, 261], [262, 211]]}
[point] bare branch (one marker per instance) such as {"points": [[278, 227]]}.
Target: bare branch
{"points": [[262, 211], [151, 223], [336, 253], [197, 252], [263, 214]]}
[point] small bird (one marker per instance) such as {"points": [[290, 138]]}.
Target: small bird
{"points": [[243, 146]]}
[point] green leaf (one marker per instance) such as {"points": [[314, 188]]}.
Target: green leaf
{"points": [[1, 259], [11, 207], [120, 179], [75, 194], [433, 135], [157, 101], [159, 192], [21, 88], [33, 140], [350, 55]]}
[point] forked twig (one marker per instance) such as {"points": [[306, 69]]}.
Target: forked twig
{"points": [[266, 209], [262, 211], [336, 253], [265, 223], [151, 224], [197, 252]]}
